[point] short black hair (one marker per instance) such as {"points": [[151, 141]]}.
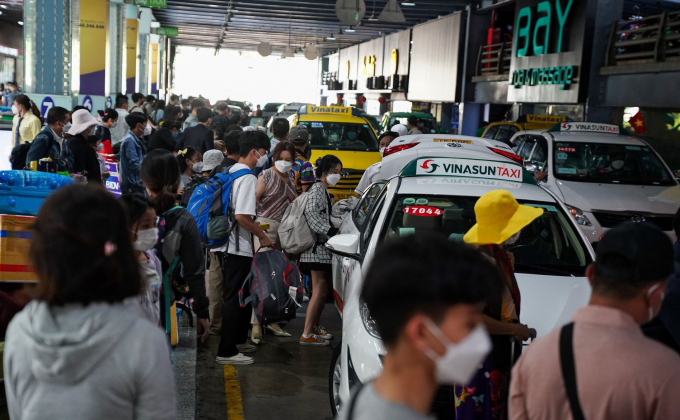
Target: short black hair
{"points": [[78, 108], [326, 164], [134, 119], [223, 106], [121, 100], [108, 114], [280, 127], [234, 127], [83, 256], [247, 142], [203, 114], [413, 120], [424, 273], [150, 98], [185, 101], [197, 103], [174, 111], [160, 175], [676, 223], [93, 139], [263, 141], [171, 123], [174, 98], [136, 97], [135, 205], [56, 114], [231, 142]]}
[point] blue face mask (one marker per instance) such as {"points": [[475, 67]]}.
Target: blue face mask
{"points": [[351, 135], [175, 136]]}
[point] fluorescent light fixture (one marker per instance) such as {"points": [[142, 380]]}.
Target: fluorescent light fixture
{"points": [[349, 30], [0, 12], [373, 19], [21, 23], [155, 24], [330, 38], [3, 6], [408, 4]]}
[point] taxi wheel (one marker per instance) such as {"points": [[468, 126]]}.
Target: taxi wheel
{"points": [[334, 376]]}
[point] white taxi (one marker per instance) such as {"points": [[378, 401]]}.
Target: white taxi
{"points": [[437, 191], [603, 175]]}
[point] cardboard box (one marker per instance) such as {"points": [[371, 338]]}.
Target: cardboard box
{"points": [[15, 240]]}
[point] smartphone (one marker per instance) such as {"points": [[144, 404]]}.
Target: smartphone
{"points": [[265, 226]]}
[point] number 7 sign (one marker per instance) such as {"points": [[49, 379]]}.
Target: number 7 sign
{"points": [[45, 106]]}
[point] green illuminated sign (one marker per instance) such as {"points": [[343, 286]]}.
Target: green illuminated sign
{"points": [[167, 31], [152, 3], [563, 75], [534, 27]]}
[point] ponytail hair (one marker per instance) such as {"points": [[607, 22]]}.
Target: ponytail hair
{"points": [[27, 103], [160, 174]]}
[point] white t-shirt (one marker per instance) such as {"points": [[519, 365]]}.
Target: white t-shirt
{"points": [[371, 175], [119, 132], [243, 201]]}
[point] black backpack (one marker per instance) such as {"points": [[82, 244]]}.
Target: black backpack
{"points": [[18, 156], [195, 181]]}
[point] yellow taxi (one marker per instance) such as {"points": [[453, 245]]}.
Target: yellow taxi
{"points": [[340, 131], [504, 130]]}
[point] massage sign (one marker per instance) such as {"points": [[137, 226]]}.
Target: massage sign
{"points": [[547, 51]]}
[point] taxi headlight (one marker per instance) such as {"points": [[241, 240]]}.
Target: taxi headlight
{"points": [[369, 322], [578, 215]]}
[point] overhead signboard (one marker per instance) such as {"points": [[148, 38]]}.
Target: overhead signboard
{"points": [[167, 31], [548, 51], [152, 3]]}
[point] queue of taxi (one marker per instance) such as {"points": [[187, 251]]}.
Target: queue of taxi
{"points": [[432, 182]]}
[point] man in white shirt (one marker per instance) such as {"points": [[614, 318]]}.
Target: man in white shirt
{"points": [[372, 173], [237, 256], [119, 132]]}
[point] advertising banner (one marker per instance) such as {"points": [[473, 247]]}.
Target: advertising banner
{"points": [[167, 31], [131, 29], [154, 69], [113, 182], [93, 26]]}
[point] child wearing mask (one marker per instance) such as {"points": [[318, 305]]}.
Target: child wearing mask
{"points": [[141, 218]]}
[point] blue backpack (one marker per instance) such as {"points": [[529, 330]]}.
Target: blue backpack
{"points": [[209, 204]]}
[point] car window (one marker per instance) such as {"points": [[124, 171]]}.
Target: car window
{"points": [[550, 244], [527, 148], [540, 155], [505, 133], [341, 136], [491, 132], [371, 222], [517, 143], [366, 204]]}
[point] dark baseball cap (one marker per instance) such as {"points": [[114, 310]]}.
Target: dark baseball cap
{"points": [[298, 135], [635, 253]]}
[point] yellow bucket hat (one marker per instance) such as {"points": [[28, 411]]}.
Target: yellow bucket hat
{"points": [[499, 217]]}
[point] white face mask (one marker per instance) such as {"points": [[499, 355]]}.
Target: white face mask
{"points": [[147, 130], [146, 239], [382, 152], [198, 167], [333, 179], [114, 125], [617, 164], [513, 238], [67, 127], [283, 166], [649, 293], [261, 160], [460, 361], [334, 137], [100, 148], [15, 110]]}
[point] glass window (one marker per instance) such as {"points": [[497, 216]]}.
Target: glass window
{"points": [[549, 245], [366, 203], [371, 222], [505, 133], [426, 125], [610, 163], [341, 136], [540, 155], [517, 143], [527, 148], [491, 132]]}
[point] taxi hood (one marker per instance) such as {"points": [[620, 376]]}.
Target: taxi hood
{"points": [[619, 197]]}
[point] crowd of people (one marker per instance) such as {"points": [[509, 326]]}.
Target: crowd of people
{"points": [[96, 334]]}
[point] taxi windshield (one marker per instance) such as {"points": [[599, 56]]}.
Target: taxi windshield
{"points": [[610, 163], [341, 136], [550, 245], [426, 125]]}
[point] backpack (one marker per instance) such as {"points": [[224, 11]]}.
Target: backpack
{"points": [[209, 204], [295, 234], [196, 180], [274, 287], [19, 155]]}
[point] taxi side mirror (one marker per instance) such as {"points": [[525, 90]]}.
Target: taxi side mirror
{"points": [[531, 167], [345, 245]]}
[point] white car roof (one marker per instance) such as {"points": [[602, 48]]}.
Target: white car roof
{"points": [[598, 138], [471, 187], [446, 138]]}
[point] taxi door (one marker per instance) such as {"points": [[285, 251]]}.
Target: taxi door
{"points": [[347, 269]]}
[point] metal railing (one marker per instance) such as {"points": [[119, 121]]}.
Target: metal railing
{"points": [[494, 59], [647, 40]]}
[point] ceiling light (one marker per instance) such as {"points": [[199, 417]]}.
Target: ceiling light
{"points": [[350, 30], [373, 18], [155, 24], [21, 23], [408, 4], [3, 6], [330, 38], [350, 12], [0, 12], [392, 12]]}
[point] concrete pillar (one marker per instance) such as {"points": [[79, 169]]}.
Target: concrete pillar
{"points": [[51, 51], [131, 46], [143, 84], [115, 47], [470, 117]]}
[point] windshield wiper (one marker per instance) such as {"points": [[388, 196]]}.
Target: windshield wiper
{"points": [[544, 269]]}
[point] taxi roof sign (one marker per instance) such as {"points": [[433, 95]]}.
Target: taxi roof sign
{"points": [[333, 109], [586, 127], [467, 168], [534, 118]]}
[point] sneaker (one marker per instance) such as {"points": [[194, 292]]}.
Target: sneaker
{"points": [[246, 348], [321, 332], [314, 340], [256, 335], [239, 359], [277, 330]]}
